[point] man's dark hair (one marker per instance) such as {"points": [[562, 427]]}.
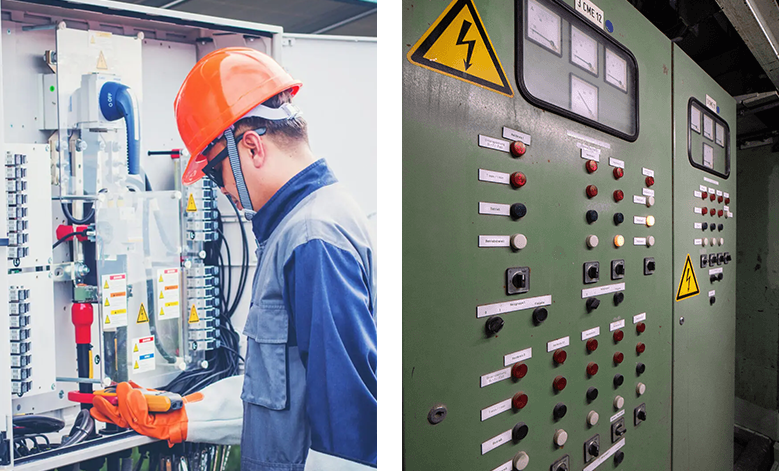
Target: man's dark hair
{"points": [[285, 133]]}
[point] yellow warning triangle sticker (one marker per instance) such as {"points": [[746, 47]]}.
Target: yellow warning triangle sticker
{"points": [[162, 313], [101, 63], [457, 45], [105, 286], [107, 303], [136, 365], [107, 319], [191, 206], [160, 278], [688, 284], [162, 294], [135, 348], [142, 316], [193, 315]]}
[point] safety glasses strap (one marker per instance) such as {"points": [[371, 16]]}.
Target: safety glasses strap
{"points": [[235, 165]]}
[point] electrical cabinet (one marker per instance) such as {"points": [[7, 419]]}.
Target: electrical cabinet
{"points": [[543, 232]]}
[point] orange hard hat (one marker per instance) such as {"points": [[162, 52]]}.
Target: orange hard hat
{"points": [[222, 88]]}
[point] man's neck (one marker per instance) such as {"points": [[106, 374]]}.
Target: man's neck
{"points": [[282, 167]]}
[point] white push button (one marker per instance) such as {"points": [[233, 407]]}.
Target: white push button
{"points": [[650, 201], [560, 437], [592, 418], [650, 241], [518, 242], [521, 461], [640, 388], [619, 402], [713, 241], [705, 241], [592, 241], [721, 241]]}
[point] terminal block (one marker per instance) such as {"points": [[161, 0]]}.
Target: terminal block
{"points": [[16, 190]]}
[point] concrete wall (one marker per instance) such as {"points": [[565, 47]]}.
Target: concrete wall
{"points": [[757, 285]]}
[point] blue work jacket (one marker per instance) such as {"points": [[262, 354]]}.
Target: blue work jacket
{"points": [[310, 375]]}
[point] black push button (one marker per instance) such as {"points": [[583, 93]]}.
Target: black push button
{"points": [[640, 368], [518, 210], [618, 380], [539, 315], [559, 411], [592, 216], [592, 394], [619, 218]]}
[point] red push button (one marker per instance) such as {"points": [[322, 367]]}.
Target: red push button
{"points": [[559, 383], [592, 191], [720, 213], [519, 370], [618, 173], [592, 345], [640, 327], [559, 356], [518, 149], [519, 400], [618, 335], [650, 181], [712, 196], [704, 195], [727, 200], [592, 368], [704, 210], [518, 179], [619, 358], [720, 198], [713, 212], [619, 195], [640, 348], [591, 166]]}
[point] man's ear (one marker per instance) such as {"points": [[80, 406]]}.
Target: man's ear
{"points": [[255, 144]]}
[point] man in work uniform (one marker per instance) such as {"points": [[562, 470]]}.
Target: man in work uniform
{"points": [[309, 389]]}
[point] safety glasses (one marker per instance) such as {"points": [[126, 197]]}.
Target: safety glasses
{"points": [[213, 168]]}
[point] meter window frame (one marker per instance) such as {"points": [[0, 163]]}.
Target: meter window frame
{"points": [[717, 119], [520, 31]]}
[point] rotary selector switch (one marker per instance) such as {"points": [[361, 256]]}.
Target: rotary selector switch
{"points": [[493, 325]]}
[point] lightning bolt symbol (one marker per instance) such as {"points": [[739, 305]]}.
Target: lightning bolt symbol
{"points": [[688, 279], [463, 31]]}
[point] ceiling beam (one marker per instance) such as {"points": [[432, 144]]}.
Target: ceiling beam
{"points": [[345, 22]]}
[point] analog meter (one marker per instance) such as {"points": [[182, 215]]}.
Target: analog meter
{"points": [[584, 98], [616, 70], [702, 152], [584, 51], [543, 27]]}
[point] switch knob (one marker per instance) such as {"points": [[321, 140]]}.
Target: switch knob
{"points": [[559, 356], [592, 304], [640, 348], [640, 327], [517, 148], [519, 401], [712, 278], [592, 368], [640, 368], [518, 241], [641, 415], [559, 383], [592, 241], [618, 380], [619, 269], [518, 210], [521, 461], [519, 431], [519, 280], [649, 181], [592, 394], [619, 402], [560, 437], [619, 357], [518, 180], [591, 166], [593, 449], [704, 226], [720, 227], [650, 201], [719, 276], [619, 241], [592, 216], [618, 173], [650, 265], [493, 325], [559, 411], [619, 457], [619, 195], [519, 370], [619, 218], [618, 298], [592, 345], [640, 389], [539, 315], [592, 191], [592, 272], [712, 227], [592, 418], [712, 300]]}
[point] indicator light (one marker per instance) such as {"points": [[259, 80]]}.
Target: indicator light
{"points": [[650, 181], [518, 179], [712, 196], [559, 383], [618, 335], [519, 400], [640, 348], [519, 370], [719, 199], [727, 200], [618, 173], [619, 358], [559, 356], [704, 195], [591, 166], [619, 241], [640, 327], [650, 221], [592, 368], [619, 195], [704, 210], [720, 213], [592, 191], [517, 148], [592, 345], [592, 241]]}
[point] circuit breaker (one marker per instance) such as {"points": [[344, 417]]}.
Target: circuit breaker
{"points": [[539, 217]]}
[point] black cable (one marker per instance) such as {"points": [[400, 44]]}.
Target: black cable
{"points": [[68, 236], [72, 220]]}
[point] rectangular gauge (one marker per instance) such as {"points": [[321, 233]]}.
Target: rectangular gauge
{"points": [[584, 98], [584, 51], [544, 27], [616, 70], [708, 156], [708, 127], [695, 119], [720, 134]]}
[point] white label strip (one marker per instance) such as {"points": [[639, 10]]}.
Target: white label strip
{"points": [[697, 194], [647, 172], [697, 225], [591, 140], [495, 409], [639, 240], [494, 208], [493, 241], [559, 343], [726, 208], [697, 241], [511, 306], [714, 271], [639, 220], [494, 177], [616, 162], [493, 143], [588, 334], [508, 466], [605, 456], [648, 192], [704, 188], [697, 210], [712, 190], [497, 441], [707, 179], [616, 325], [590, 11], [711, 103], [512, 358], [606, 289], [590, 153], [711, 293], [496, 376], [639, 199], [719, 192], [726, 195], [617, 415], [515, 135], [639, 318]]}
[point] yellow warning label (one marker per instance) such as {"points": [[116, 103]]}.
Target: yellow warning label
{"points": [[142, 315], [688, 285], [101, 63], [193, 315], [161, 281], [457, 45], [106, 302], [135, 348], [107, 319], [162, 294], [162, 312], [105, 286], [191, 206], [136, 365]]}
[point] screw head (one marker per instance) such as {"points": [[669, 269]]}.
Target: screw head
{"points": [[681, 321]]}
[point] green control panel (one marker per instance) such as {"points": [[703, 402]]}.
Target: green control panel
{"points": [[539, 270]]}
